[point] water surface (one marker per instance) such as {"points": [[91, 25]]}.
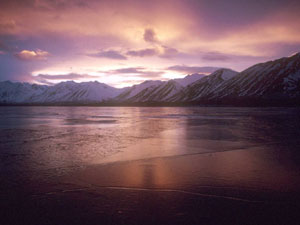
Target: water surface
{"points": [[220, 153], [36, 138]]}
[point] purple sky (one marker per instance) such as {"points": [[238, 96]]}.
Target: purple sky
{"points": [[126, 42]]}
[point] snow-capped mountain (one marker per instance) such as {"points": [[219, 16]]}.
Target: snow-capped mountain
{"points": [[78, 92], [263, 82], [189, 79], [276, 79], [19, 92], [63, 92], [156, 91], [137, 89], [204, 86]]}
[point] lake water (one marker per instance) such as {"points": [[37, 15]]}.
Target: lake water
{"points": [[194, 149], [33, 138]]}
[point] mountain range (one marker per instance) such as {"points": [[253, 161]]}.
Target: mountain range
{"points": [[274, 82]]}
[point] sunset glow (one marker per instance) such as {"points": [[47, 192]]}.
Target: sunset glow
{"points": [[126, 42]]}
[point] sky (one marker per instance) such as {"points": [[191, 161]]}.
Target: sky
{"points": [[124, 42]]}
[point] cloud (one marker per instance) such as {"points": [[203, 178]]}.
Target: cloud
{"points": [[7, 26], [110, 54], [161, 51], [150, 36], [70, 76], [4, 47], [192, 69], [151, 74], [28, 55], [129, 70], [68, 28], [168, 52], [136, 72], [59, 4], [215, 56], [143, 52]]}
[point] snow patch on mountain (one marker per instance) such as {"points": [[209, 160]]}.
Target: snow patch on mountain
{"points": [[19, 92], [189, 79], [204, 86], [68, 91], [136, 89], [277, 79], [273, 79]]}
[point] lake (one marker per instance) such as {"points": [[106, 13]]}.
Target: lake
{"points": [[202, 161]]}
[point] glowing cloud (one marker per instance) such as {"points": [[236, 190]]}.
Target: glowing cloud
{"points": [[28, 55], [86, 36]]}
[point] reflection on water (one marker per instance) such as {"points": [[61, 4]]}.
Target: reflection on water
{"points": [[239, 146], [240, 169]]}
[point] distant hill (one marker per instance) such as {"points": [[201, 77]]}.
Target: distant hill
{"points": [[275, 82]]}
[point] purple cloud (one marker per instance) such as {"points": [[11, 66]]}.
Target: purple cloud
{"points": [[129, 70], [111, 54], [4, 47], [192, 69], [7, 25], [169, 52], [137, 72], [150, 36], [215, 56], [143, 52], [70, 76], [58, 4]]}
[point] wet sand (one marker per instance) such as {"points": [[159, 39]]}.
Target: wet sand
{"points": [[217, 188]]}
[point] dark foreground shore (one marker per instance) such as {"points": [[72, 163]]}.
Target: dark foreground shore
{"points": [[216, 188]]}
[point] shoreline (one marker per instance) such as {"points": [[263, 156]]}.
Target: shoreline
{"points": [[164, 190], [294, 103]]}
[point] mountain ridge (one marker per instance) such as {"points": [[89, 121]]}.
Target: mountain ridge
{"points": [[268, 82]]}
